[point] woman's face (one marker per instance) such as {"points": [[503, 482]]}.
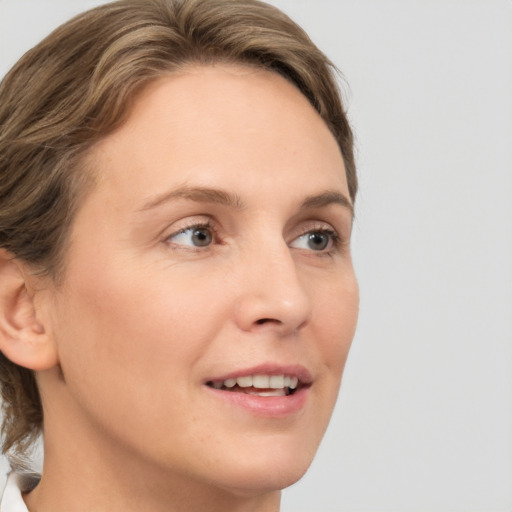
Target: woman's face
{"points": [[209, 270]]}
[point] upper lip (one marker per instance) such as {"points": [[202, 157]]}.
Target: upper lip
{"points": [[298, 371]]}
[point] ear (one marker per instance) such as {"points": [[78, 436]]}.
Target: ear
{"points": [[23, 337]]}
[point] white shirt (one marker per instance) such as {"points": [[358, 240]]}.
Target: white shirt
{"points": [[17, 483]]}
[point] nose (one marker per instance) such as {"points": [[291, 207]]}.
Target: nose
{"points": [[271, 294]]}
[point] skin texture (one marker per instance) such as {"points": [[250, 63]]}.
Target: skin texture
{"points": [[144, 317]]}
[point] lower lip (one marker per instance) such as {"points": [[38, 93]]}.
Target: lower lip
{"points": [[267, 406]]}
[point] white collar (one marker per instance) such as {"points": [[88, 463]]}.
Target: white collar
{"points": [[17, 483]]}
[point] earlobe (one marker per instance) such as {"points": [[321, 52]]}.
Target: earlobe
{"points": [[23, 337]]}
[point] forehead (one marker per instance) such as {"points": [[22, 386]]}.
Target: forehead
{"points": [[212, 124]]}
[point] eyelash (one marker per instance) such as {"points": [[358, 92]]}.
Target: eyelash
{"points": [[335, 239]]}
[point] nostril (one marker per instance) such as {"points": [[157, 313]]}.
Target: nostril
{"points": [[262, 321]]}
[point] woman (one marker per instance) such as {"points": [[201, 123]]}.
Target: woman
{"points": [[178, 297]]}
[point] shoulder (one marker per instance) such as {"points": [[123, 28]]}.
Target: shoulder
{"points": [[17, 483]]}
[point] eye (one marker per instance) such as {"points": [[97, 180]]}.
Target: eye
{"points": [[316, 240], [193, 236]]}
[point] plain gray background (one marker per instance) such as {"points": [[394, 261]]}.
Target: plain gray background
{"points": [[424, 420]]}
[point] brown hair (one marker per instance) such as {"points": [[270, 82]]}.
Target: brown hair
{"points": [[77, 85]]}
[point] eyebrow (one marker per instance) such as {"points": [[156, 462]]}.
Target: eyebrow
{"points": [[199, 195], [325, 199], [224, 198]]}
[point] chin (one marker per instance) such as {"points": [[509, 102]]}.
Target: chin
{"points": [[268, 472], [254, 483]]}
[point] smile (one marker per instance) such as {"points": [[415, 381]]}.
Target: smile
{"points": [[259, 385]]}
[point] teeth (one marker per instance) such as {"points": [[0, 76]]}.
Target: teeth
{"points": [[261, 381], [245, 382], [274, 392], [270, 382], [276, 381], [229, 383]]}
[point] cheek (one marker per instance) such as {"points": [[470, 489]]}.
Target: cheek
{"points": [[132, 327], [129, 346], [338, 312], [336, 319]]}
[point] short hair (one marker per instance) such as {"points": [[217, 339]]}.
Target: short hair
{"points": [[77, 86]]}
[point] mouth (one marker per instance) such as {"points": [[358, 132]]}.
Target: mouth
{"points": [[268, 390], [260, 385]]}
